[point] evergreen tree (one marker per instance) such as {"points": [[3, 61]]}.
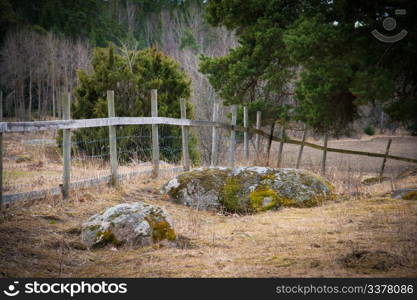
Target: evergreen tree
{"points": [[341, 64], [132, 78]]}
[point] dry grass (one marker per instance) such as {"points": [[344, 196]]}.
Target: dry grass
{"points": [[38, 240], [32, 166], [41, 239]]}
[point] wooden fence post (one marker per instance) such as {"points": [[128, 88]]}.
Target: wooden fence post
{"points": [[323, 161], [281, 146], [381, 173], [258, 137], [1, 152], [184, 132], [112, 139], [214, 138], [271, 135], [300, 153], [246, 134], [155, 138], [66, 148], [233, 137]]}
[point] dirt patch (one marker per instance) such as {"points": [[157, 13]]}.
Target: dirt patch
{"points": [[372, 261]]}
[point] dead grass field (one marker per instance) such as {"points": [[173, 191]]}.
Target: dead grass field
{"points": [[364, 233]]}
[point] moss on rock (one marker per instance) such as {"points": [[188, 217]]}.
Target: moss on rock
{"points": [[229, 195], [106, 237], [161, 229], [405, 194], [411, 195], [263, 198]]}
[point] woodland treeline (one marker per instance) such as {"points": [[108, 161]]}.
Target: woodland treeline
{"points": [[37, 69], [44, 42], [306, 61]]}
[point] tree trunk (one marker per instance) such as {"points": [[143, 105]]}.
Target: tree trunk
{"points": [[54, 110], [30, 98], [39, 100], [22, 102]]}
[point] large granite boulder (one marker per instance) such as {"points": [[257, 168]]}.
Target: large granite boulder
{"points": [[135, 224], [248, 189]]}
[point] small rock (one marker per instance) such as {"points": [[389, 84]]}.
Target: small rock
{"points": [[374, 180], [22, 158], [405, 194], [377, 260], [137, 224]]}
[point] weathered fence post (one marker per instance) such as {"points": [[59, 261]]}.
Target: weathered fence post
{"points": [[233, 137], [184, 132], [381, 124], [258, 137], [66, 148], [246, 134], [281, 146], [381, 173], [112, 139], [323, 161], [214, 138], [1, 152], [300, 153], [155, 138]]}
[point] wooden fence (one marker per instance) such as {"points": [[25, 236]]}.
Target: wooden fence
{"points": [[67, 124]]}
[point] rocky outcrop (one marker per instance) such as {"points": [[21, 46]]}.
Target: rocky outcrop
{"points": [[248, 189], [136, 224]]}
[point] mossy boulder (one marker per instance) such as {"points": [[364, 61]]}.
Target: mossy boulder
{"points": [[137, 224], [248, 189]]}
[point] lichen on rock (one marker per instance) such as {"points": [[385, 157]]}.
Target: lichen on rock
{"points": [[248, 189], [136, 224]]}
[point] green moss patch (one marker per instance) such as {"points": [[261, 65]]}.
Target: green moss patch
{"points": [[263, 199], [106, 237], [210, 179], [411, 195], [161, 230], [229, 195]]}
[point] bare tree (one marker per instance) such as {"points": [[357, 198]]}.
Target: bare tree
{"points": [[42, 63]]}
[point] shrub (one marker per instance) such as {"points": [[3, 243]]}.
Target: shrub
{"points": [[369, 130], [132, 77]]}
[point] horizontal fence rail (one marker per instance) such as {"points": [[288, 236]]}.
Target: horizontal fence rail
{"points": [[8, 127], [40, 194]]}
